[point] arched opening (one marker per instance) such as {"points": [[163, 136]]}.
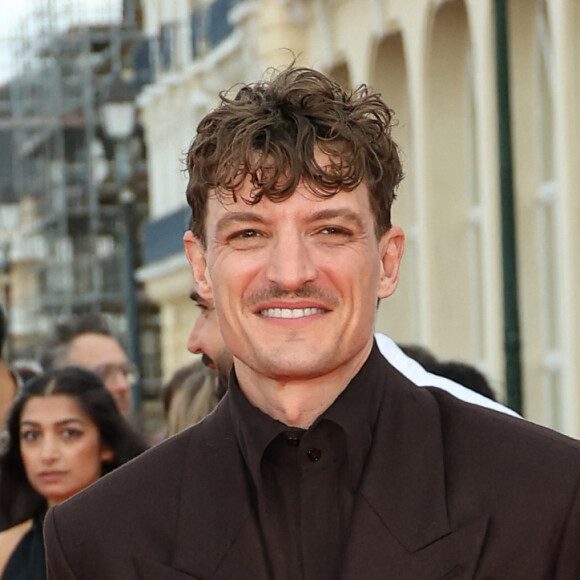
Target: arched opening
{"points": [[452, 198], [398, 316], [547, 199], [341, 75]]}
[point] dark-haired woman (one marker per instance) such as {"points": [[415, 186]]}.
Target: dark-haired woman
{"points": [[64, 432]]}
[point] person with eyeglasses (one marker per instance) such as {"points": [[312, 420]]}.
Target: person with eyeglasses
{"points": [[88, 342]]}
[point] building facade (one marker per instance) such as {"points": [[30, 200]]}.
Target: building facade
{"points": [[435, 63], [66, 232]]}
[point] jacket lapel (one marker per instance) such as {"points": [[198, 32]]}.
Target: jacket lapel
{"points": [[374, 549], [401, 526], [217, 535]]}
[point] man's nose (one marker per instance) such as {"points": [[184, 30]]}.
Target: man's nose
{"points": [[291, 262], [193, 340], [118, 383]]}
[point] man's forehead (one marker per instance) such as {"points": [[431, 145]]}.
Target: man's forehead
{"points": [[243, 206], [90, 349]]}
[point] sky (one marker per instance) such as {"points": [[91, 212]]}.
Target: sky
{"points": [[16, 13], [10, 12]]}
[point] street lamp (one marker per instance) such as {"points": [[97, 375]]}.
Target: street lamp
{"points": [[118, 122]]}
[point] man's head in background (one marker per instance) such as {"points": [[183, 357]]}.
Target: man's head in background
{"points": [[88, 342], [205, 338], [458, 372]]}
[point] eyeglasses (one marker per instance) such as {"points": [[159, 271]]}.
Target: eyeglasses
{"points": [[109, 371]]}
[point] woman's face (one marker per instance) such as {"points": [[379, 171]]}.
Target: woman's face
{"points": [[60, 447]]}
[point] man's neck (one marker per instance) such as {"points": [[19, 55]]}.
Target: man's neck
{"points": [[297, 402]]}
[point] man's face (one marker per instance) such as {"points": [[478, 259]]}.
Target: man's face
{"points": [[105, 356], [205, 338], [295, 283]]}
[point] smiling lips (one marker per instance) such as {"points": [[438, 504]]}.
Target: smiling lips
{"points": [[290, 312]]}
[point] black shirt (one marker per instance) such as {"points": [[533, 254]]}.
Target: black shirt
{"points": [[305, 481]]}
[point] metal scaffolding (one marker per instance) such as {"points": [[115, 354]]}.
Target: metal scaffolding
{"points": [[66, 56]]}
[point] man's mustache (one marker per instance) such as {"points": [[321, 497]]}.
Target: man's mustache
{"points": [[309, 291], [206, 360]]}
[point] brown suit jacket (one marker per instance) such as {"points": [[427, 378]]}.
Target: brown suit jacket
{"points": [[450, 492]]}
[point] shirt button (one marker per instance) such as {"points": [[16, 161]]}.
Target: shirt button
{"points": [[293, 441], [314, 455]]}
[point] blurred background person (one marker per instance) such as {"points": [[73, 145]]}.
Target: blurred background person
{"points": [[206, 339], [466, 375], [88, 342], [458, 372], [25, 370], [64, 432], [421, 354], [195, 389], [189, 395], [8, 379]]}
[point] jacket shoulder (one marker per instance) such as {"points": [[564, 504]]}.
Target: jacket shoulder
{"points": [[152, 483], [506, 452]]}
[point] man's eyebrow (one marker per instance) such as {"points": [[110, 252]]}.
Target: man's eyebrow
{"points": [[344, 213], [242, 217], [321, 215]]}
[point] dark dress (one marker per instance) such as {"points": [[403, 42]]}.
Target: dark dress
{"points": [[27, 560]]}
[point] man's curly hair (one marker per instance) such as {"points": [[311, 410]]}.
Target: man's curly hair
{"points": [[269, 133]]}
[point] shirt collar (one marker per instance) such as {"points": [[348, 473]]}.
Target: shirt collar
{"points": [[254, 429], [355, 410]]}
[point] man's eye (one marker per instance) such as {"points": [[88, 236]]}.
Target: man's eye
{"points": [[246, 239], [247, 234], [334, 230]]}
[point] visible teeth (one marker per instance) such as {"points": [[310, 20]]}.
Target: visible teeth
{"points": [[290, 312]]}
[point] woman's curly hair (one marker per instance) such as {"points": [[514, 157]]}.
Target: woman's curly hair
{"points": [[270, 131]]}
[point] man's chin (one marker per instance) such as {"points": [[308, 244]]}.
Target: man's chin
{"points": [[124, 407]]}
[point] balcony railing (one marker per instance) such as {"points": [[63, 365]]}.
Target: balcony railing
{"points": [[208, 26]]}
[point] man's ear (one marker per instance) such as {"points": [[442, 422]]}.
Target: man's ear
{"points": [[196, 256], [391, 248]]}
